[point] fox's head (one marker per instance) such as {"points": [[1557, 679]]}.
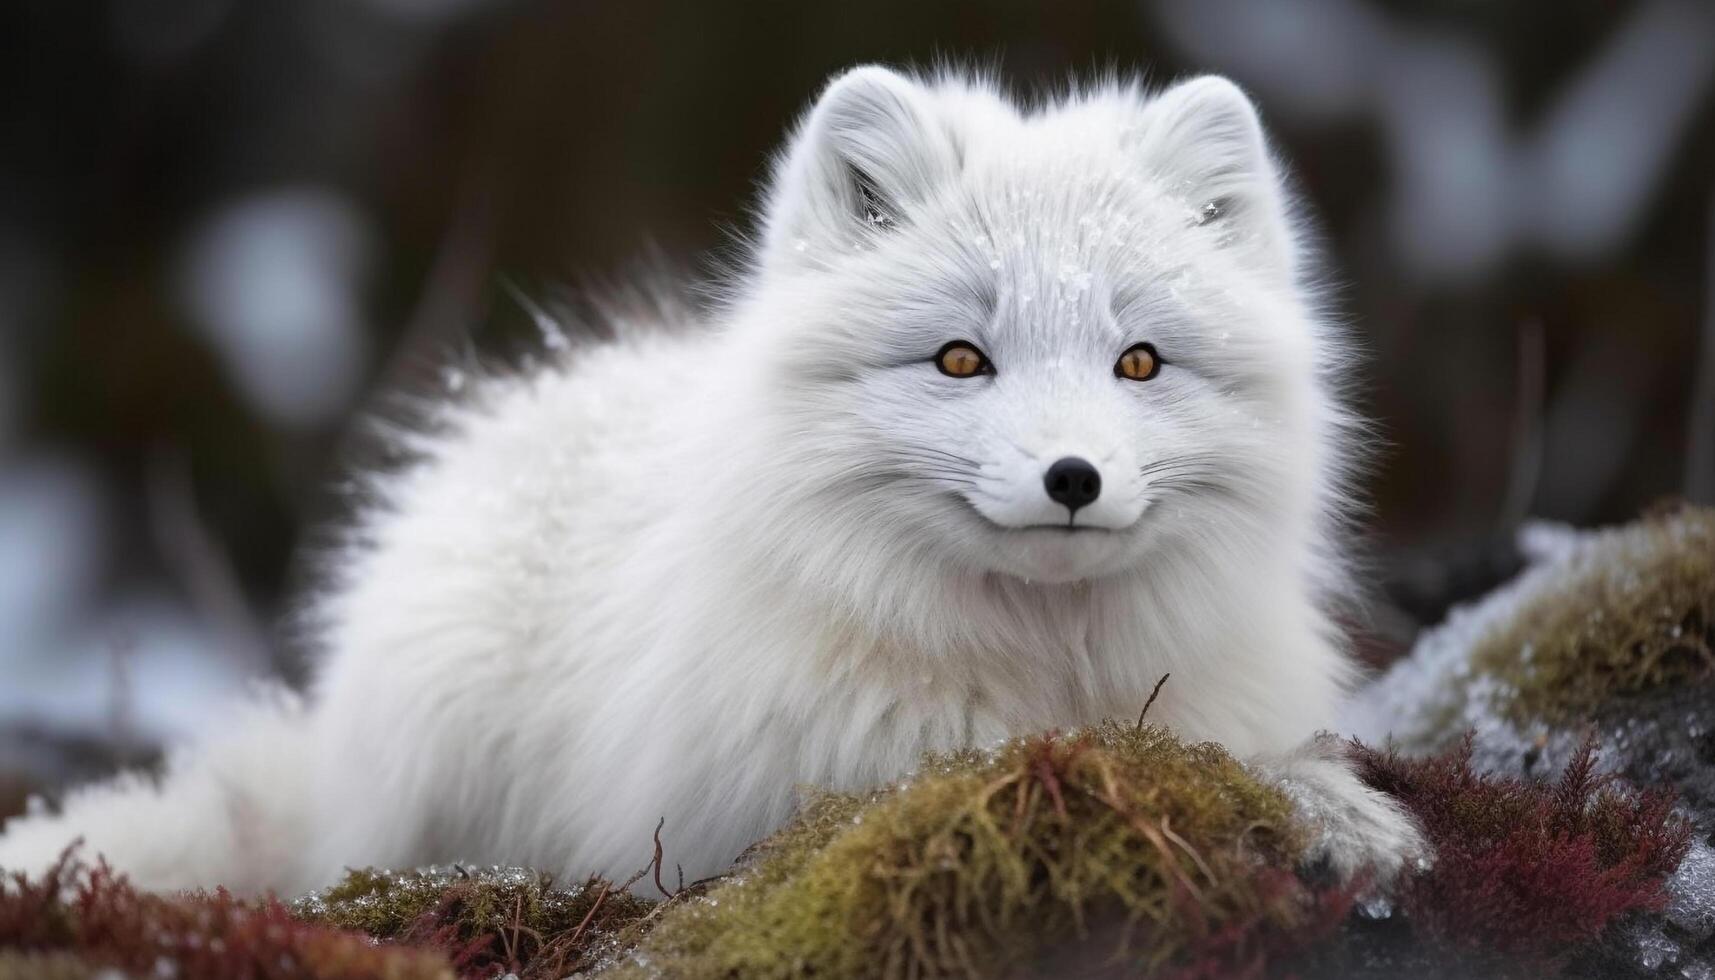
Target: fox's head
{"points": [[1043, 342]]}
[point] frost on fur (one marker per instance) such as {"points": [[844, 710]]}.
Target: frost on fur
{"points": [[676, 575]]}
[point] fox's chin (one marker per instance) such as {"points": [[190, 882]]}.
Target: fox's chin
{"points": [[1057, 554], [1049, 553]]}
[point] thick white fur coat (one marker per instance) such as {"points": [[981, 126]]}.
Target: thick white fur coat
{"points": [[682, 573]]}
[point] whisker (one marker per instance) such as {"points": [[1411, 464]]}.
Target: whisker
{"points": [[935, 477], [942, 453], [936, 461], [1175, 463]]}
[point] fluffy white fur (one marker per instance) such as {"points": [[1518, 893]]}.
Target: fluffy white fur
{"points": [[678, 575]]}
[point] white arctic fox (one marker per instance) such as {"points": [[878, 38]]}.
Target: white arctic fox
{"points": [[1012, 412]]}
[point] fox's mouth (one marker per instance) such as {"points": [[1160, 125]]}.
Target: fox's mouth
{"points": [[1068, 528]]}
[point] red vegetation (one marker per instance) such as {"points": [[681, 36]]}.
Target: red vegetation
{"points": [[1526, 869], [1250, 948], [97, 916]]}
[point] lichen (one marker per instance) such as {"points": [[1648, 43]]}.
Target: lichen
{"points": [[1175, 854]]}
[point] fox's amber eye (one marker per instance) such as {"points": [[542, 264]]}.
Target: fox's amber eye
{"points": [[1138, 363], [960, 360]]}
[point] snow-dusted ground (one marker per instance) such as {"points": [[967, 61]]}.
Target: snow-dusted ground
{"points": [[1435, 695]]}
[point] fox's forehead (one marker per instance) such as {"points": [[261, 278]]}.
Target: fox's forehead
{"points": [[1062, 187], [1060, 210], [1016, 286], [1054, 231], [1029, 254]]}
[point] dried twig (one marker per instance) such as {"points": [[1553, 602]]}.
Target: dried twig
{"points": [[1184, 845], [600, 897], [1110, 797], [1152, 696], [656, 862], [511, 941]]}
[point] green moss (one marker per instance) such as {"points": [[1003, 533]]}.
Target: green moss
{"points": [[1633, 611], [483, 917], [982, 859]]}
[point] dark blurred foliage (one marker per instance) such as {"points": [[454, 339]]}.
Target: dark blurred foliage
{"points": [[442, 149]]}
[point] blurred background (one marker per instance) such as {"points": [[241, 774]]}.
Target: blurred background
{"points": [[227, 225]]}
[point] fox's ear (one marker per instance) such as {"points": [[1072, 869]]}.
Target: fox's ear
{"points": [[870, 149], [1204, 140]]}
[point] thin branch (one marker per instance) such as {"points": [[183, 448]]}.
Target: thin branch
{"points": [[600, 897], [1152, 696], [657, 862], [638, 876]]}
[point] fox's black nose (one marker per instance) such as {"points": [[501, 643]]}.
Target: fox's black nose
{"points": [[1073, 482]]}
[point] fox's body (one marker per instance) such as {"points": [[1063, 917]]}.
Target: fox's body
{"points": [[683, 573]]}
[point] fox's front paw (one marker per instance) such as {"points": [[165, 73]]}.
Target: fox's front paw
{"points": [[1357, 830]]}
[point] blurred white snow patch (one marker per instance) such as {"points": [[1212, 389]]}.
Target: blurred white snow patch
{"points": [[1440, 103], [1314, 58], [52, 520], [1610, 138], [275, 284], [141, 671]]}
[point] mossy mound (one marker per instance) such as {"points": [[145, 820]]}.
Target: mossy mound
{"points": [[1599, 627], [1179, 857], [1631, 610], [1117, 851], [501, 920]]}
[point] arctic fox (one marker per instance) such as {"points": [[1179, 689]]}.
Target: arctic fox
{"points": [[1012, 411]]}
